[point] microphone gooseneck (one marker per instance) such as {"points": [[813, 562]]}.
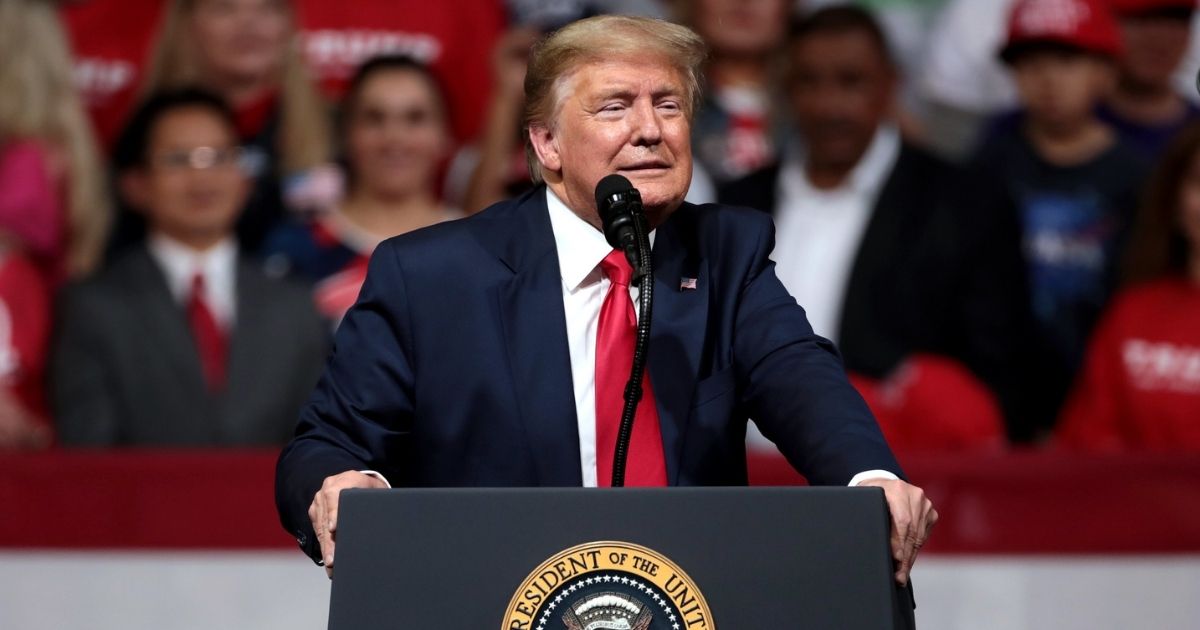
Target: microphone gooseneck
{"points": [[625, 228]]}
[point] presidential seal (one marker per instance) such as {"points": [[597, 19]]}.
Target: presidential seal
{"points": [[608, 586]]}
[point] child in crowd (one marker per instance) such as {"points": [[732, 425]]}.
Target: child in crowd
{"points": [[1071, 181], [1145, 108], [1140, 386]]}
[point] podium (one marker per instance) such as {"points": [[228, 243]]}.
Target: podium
{"points": [[616, 559]]}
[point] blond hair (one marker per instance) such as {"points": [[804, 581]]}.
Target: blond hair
{"points": [[304, 128], [38, 100], [553, 60]]}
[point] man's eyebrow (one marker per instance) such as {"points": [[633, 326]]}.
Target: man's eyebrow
{"points": [[616, 92]]}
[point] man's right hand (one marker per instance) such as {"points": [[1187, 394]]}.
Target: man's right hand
{"points": [[324, 509]]}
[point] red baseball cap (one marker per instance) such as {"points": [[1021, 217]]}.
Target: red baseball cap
{"points": [[1088, 25], [1134, 7], [934, 403]]}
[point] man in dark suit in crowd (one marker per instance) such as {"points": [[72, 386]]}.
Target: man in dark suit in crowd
{"points": [[493, 350], [884, 244], [182, 341]]}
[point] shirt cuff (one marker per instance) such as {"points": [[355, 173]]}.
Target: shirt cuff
{"points": [[372, 473], [863, 476]]}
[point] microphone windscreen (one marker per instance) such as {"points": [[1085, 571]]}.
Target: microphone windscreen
{"points": [[609, 186]]}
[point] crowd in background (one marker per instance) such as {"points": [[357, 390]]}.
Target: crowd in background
{"points": [[991, 206]]}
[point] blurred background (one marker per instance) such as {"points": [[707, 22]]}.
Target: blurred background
{"points": [[992, 206]]}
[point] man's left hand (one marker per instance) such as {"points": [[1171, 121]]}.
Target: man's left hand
{"points": [[913, 517]]}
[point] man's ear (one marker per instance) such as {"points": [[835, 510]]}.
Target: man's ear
{"points": [[545, 145], [135, 189]]}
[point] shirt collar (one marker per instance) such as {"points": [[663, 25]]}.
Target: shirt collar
{"points": [[872, 169], [580, 245], [180, 262]]}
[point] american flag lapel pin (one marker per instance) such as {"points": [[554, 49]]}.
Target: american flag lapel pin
{"points": [[687, 283]]}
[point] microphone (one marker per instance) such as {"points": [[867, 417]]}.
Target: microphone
{"points": [[624, 222], [620, 208]]}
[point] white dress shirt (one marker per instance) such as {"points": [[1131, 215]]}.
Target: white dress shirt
{"points": [[818, 232], [581, 247], [218, 265]]}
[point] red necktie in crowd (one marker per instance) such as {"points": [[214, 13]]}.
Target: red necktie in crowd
{"points": [[615, 340], [210, 339]]}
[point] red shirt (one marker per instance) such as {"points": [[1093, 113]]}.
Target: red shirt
{"points": [[111, 42], [454, 38], [1140, 385], [24, 331]]}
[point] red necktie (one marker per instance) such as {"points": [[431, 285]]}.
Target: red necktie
{"points": [[615, 340], [209, 338]]}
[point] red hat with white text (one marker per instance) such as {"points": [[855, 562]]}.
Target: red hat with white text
{"points": [[1086, 25]]}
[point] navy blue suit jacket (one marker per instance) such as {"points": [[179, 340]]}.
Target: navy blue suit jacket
{"points": [[453, 367]]}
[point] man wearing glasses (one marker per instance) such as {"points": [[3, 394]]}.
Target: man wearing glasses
{"points": [[180, 341]]}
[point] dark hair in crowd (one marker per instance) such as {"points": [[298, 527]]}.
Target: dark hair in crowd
{"points": [[131, 146], [1159, 246], [391, 63], [841, 20]]}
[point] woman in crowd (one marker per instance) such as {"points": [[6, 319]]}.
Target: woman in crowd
{"points": [[395, 134], [1140, 386], [246, 52], [53, 204]]}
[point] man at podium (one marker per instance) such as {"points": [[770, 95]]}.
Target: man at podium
{"points": [[493, 351]]}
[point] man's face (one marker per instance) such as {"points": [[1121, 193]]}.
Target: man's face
{"points": [[840, 91], [191, 187], [1154, 47], [623, 116]]}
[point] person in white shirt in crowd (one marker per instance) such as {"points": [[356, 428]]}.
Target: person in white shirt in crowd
{"points": [[181, 342], [875, 237]]}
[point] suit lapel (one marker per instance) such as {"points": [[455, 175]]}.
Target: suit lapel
{"points": [[677, 331], [247, 348], [875, 251], [534, 326]]}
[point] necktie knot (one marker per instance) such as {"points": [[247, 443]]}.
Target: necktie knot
{"points": [[616, 268], [197, 285]]}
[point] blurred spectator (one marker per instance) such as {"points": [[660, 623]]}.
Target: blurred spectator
{"points": [[53, 202], [1069, 180], [24, 333], [1140, 385], [110, 44], [395, 133], [873, 239], [452, 38], [737, 130], [494, 168], [243, 51], [182, 341], [1145, 108]]}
